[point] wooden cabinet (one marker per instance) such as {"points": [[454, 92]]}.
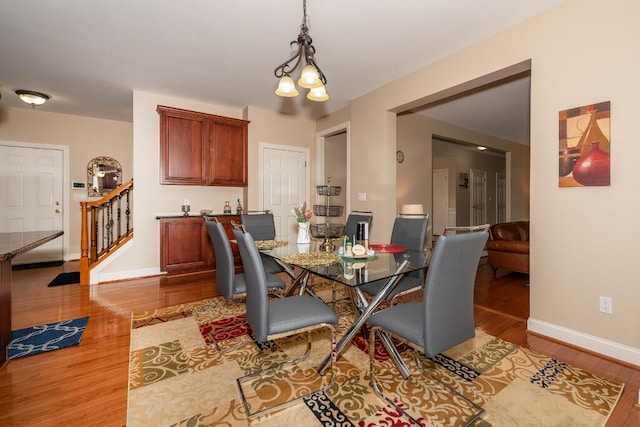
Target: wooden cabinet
{"points": [[202, 149], [185, 246]]}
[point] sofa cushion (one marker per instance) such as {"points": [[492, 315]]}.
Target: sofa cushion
{"points": [[518, 230], [515, 246]]}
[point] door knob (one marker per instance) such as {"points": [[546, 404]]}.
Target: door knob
{"points": [[58, 210], [57, 202]]}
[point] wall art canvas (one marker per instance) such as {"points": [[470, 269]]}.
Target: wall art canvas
{"points": [[585, 146]]}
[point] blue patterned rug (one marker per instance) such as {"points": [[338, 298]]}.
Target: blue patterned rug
{"points": [[52, 336]]}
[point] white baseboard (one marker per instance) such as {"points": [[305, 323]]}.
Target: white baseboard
{"points": [[97, 276], [124, 275], [588, 342]]}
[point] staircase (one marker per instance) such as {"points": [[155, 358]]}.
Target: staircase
{"points": [[107, 224]]}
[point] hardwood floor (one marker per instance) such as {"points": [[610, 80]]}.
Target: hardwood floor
{"points": [[87, 384]]}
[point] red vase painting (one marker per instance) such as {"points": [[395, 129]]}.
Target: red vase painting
{"points": [[584, 155]]}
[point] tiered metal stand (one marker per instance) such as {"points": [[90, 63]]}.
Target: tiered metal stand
{"points": [[328, 230]]}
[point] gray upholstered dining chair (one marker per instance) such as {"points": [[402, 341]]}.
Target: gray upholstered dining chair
{"points": [[262, 227], [444, 317], [260, 224], [350, 229], [353, 219], [411, 232], [229, 283], [279, 318], [448, 231]]}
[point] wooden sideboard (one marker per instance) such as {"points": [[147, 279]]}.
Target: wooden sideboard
{"points": [[185, 246]]}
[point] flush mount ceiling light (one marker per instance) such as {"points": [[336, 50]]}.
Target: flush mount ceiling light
{"points": [[311, 77], [31, 97], [481, 148]]}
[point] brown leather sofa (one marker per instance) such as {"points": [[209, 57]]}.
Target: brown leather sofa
{"points": [[508, 246]]}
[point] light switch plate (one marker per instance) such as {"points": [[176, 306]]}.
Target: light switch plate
{"points": [[362, 197]]}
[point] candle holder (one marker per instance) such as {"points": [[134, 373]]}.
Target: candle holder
{"points": [[186, 209]]}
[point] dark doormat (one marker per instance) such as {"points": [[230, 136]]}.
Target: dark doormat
{"points": [[66, 279], [36, 265]]}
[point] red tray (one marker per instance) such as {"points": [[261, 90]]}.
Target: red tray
{"points": [[386, 247]]}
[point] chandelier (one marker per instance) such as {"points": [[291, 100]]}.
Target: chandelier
{"points": [[311, 77]]}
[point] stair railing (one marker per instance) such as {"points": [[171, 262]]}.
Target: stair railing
{"points": [[107, 224]]}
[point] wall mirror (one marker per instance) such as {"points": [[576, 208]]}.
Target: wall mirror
{"points": [[104, 174]]}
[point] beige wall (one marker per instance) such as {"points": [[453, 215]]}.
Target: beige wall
{"points": [[281, 129], [84, 138], [413, 176], [335, 152], [572, 264], [152, 199], [465, 159]]}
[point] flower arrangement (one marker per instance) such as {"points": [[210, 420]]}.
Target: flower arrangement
{"points": [[302, 213]]}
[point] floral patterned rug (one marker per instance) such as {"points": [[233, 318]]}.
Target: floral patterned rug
{"points": [[184, 361]]}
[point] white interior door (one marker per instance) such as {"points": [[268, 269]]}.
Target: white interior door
{"points": [[478, 196], [440, 200], [284, 184], [31, 181]]}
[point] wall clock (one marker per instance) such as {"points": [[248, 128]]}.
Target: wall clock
{"points": [[399, 156]]}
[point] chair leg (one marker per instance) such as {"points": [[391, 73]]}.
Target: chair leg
{"points": [[213, 333], [376, 387], [480, 410], [374, 382], [242, 380]]}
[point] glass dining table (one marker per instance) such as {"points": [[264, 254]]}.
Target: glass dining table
{"points": [[302, 261]]}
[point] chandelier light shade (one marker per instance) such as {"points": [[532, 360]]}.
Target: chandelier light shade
{"points": [[31, 97], [311, 77], [318, 94], [286, 87]]}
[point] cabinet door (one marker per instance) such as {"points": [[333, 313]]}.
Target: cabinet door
{"points": [[228, 143], [183, 146], [184, 247]]}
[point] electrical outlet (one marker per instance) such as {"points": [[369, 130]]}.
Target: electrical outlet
{"points": [[606, 305]]}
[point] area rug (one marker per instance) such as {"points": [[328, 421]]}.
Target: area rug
{"points": [[52, 336], [65, 279], [178, 377]]}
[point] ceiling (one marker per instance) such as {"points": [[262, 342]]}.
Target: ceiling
{"points": [[501, 110], [90, 55]]}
